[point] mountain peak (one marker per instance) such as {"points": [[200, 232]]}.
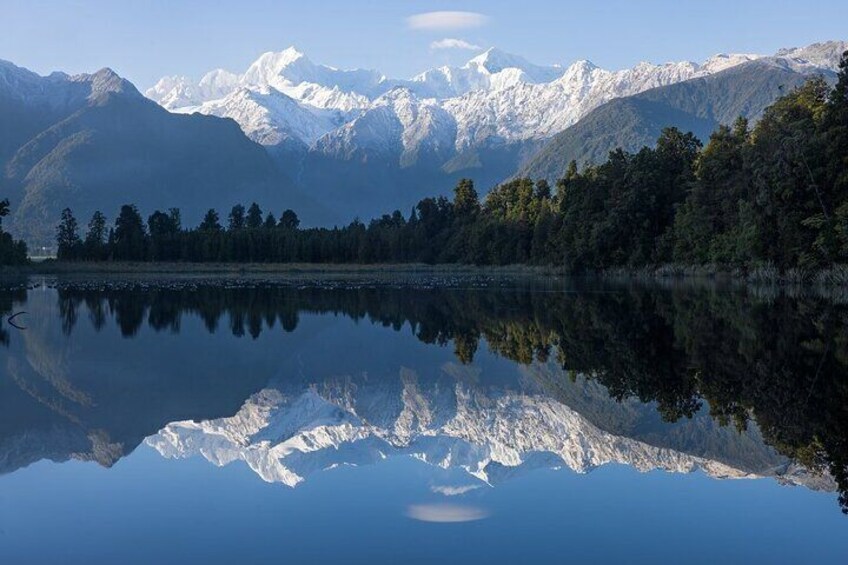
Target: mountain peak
{"points": [[104, 82], [290, 54], [722, 61], [580, 68], [105, 74], [495, 60], [825, 54], [217, 76], [279, 60], [398, 93]]}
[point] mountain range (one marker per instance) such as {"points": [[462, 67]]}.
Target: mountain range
{"points": [[369, 143], [334, 144], [698, 105], [494, 98], [93, 142]]}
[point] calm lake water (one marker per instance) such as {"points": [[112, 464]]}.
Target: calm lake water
{"points": [[438, 420]]}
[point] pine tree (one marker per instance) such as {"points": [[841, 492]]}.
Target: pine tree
{"points": [[289, 220], [466, 202], [210, 222], [254, 217], [129, 235], [543, 189], [68, 240], [835, 139], [11, 252], [4, 211], [236, 220], [95, 238]]}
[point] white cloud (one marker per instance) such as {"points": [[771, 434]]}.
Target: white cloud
{"points": [[447, 20], [451, 43]]}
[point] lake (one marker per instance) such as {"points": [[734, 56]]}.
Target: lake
{"points": [[419, 419]]}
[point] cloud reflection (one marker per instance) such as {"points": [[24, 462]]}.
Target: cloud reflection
{"points": [[446, 513], [450, 490]]}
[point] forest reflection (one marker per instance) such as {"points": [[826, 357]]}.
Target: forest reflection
{"points": [[777, 359]]}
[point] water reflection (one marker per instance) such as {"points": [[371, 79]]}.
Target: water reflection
{"points": [[736, 384], [446, 513]]}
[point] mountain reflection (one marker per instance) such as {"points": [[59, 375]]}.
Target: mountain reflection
{"points": [[732, 382]]}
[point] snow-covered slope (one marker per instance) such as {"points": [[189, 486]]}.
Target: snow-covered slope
{"points": [[492, 70], [824, 55], [398, 126], [537, 111], [272, 118], [179, 91], [289, 72], [495, 98]]}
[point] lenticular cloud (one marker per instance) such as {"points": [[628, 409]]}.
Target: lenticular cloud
{"points": [[446, 20]]}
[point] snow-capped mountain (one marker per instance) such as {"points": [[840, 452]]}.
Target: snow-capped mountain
{"points": [[395, 141], [494, 98], [68, 140], [492, 70], [537, 111], [824, 55], [489, 432], [398, 126], [258, 110], [179, 91], [289, 72]]}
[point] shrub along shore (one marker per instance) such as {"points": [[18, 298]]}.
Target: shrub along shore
{"points": [[768, 275]]}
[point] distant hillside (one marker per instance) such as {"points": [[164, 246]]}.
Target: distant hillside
{"points": [[93, 142], [698, 105]]}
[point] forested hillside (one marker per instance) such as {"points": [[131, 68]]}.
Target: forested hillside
{"points": [[698, 105]]}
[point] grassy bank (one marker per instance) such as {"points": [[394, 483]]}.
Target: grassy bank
{"points": [[765, 274], [84, 268]]}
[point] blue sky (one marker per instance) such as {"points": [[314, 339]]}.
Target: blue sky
{"points": [[147, 39]]}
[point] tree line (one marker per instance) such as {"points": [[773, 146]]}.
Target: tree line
{"points": [[773, 194], [12, 252]]}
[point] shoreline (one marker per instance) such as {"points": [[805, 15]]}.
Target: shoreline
{"points": [[762, 275], [81, 268]]}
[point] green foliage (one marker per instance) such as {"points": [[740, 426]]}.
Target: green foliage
{"points": [[466, 203]]}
